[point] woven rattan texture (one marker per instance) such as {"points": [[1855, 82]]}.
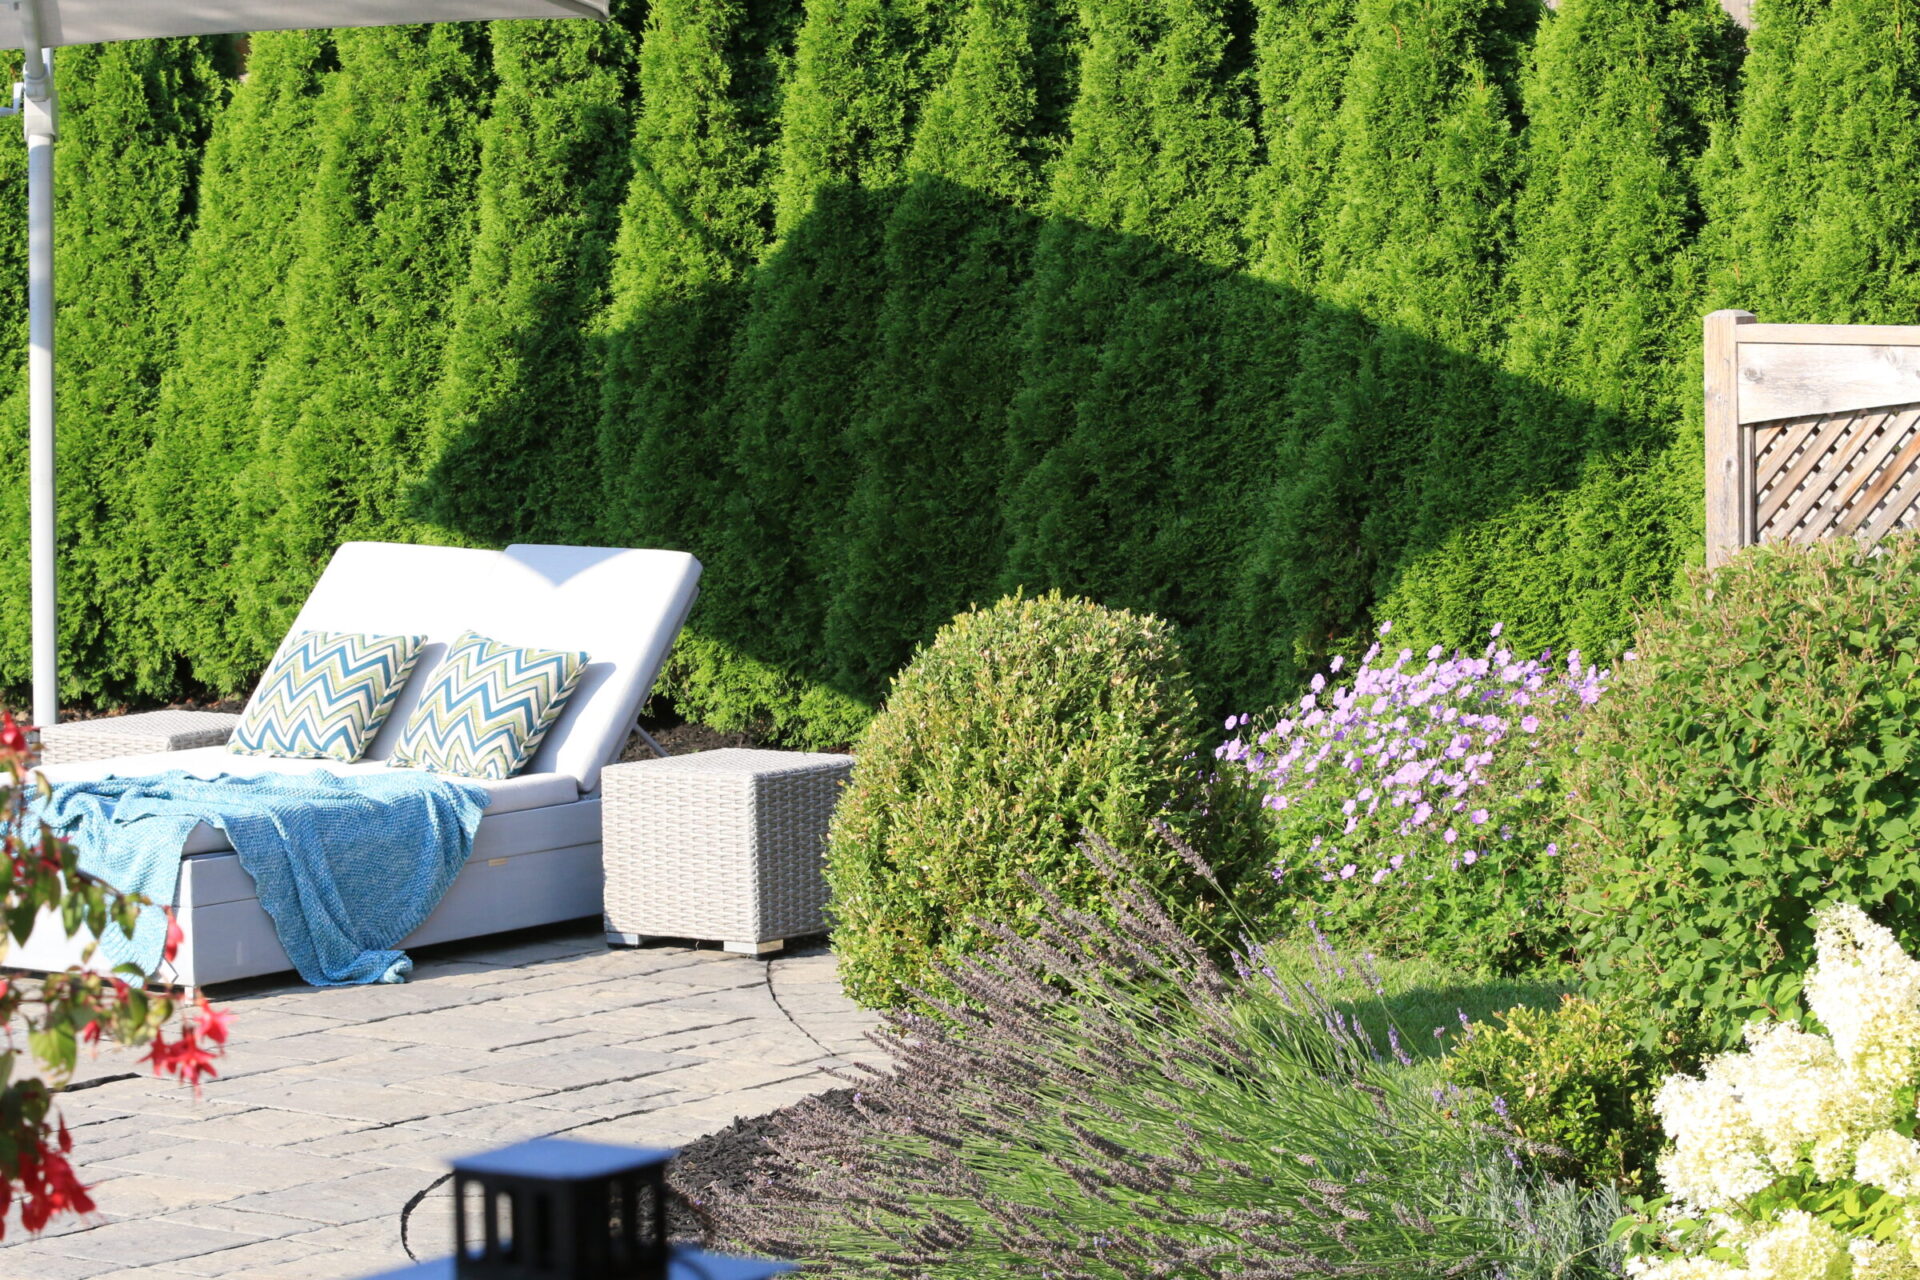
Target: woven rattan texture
{"points": [[724, 845], [134, 735]]}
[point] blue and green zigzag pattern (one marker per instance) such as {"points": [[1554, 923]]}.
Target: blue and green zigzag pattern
{"points": [[325, 696], [487, 707]]}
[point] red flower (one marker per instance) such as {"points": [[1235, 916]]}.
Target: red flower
{"points": [[12, 737], [90, 1034], [213, 1022], [175, 936]]}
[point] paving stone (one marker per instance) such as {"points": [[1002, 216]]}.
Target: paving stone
{"points": [[134, 1243], [33, 1261], [403, 1146], [141, 1195], [354, 1198], [546, 1034], [262, 1126], [322, 1096], [244, 1222], [573, 1068], [240, 1167], [251, 1256]]}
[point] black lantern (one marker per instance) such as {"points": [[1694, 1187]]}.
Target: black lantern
{"points": [[553, 1209]]}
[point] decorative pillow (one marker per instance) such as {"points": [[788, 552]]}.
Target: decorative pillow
{"points": [[325, 696], [484, 711]]}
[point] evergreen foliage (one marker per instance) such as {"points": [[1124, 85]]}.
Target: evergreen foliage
{"points": [[849, 111], [1594, 466], [341, 416], [1266, 317], [1388, 406], [228, 310], [923, 538], [1019, 727], [512, 436], [1822, 212], [1117, 489], [134, 121]]}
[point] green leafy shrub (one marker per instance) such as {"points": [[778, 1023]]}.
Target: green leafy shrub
{"points": [[1019, 726], [1757, 760], [1573, 1083], [1112, 1106]]}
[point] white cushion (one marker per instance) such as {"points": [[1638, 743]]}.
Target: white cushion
{"points": [[623, 607], [394, 588], [509, 795]]}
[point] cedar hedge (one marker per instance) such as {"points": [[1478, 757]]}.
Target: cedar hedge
{"points": [[1268, 318]]}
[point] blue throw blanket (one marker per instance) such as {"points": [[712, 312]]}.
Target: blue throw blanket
{"points": [[346, 864]]}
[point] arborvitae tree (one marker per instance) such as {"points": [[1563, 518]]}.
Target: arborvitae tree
{"points": [[1595, 456], [1132, 490], [1301, 56], [383, 245], [924, 527], [1822, 196], [134, 122], [512, 435], [259, 163], [1302, 52], [698, 215], [849, 111], [1390, 405]]}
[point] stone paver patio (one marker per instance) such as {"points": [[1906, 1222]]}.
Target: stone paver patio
{"points": [[319, 1153]]}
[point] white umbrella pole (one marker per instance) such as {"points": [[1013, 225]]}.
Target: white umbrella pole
{"points": [[37, 110]]}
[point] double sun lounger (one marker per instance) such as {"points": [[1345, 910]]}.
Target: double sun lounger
{"points": [[536, 852]]}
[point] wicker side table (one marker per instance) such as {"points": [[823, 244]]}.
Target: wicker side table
{"points": [[723, 845], [134, 735]]}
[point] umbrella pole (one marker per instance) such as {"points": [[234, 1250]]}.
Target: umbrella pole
{"points": [[37, 111]]}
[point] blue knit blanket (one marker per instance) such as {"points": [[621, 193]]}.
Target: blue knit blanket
{"points": [[346, 864]]}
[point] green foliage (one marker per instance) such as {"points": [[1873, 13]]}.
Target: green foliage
{"points": [[1756, 761], [923, 525], [134, 121], [1596, 461], [512, 435], [1019, 726], [1107, 1104], [1574, 1085], [1831, 111], [263, 149], [341, 414], [1269, 318]]}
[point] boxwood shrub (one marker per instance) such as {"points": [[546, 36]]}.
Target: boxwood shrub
{"points": [[1016, 729], [1755, 761]]}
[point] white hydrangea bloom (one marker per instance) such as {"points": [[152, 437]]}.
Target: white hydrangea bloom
{"points": [[1866, 992], [1890, 1161], [1682, 1269], [1801, 1100], [1718, 1157], [1798, 1247], [1876, 1261]]}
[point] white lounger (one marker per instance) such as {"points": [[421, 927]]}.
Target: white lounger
{"points": [[536, 855]]}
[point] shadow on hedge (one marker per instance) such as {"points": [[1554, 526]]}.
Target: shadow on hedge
{"points": [[926, 397]]}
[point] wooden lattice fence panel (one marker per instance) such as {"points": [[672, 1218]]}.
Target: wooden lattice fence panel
{"points": [[1813, 431]]}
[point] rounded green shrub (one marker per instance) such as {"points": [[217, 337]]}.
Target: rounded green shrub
{"points": [[1017, 728], [1570, 1081], [1758, 759]]}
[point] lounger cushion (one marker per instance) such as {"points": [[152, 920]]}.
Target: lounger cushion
{"points": [[325, 695], [528, 791], [485, 710]]}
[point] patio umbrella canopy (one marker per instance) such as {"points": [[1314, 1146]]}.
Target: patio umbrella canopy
{"points": [[45, 25]]}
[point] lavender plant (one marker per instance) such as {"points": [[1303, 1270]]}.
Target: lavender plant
{"points": [[1411, 803], [1102, 1101]]}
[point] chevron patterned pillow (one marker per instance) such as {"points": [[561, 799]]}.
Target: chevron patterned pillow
{"points": [[483, 713], [325, 696]]}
